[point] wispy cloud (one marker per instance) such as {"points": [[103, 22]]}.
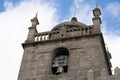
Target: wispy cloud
{"points": [[113, 10], [111, 17], [113, 43], [110, 31], [83, 11]]}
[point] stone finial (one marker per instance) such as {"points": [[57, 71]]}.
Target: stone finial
{"points": [[96, 19], [104, 72], [97, 5], [117, 71], [96, 12], [90, 75], [74, 19], [32, 30], [35, 21]]}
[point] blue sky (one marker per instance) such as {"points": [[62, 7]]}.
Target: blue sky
{"points": [[64, 6], [15, 18], [2, 8]]}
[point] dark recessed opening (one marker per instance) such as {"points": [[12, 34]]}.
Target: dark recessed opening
{"points": [[60, 61]]}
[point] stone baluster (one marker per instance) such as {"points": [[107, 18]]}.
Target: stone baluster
{"points": [[46, 37], [81, 31], [88, 31], [37, 38], [42, 37], [84, 31]]}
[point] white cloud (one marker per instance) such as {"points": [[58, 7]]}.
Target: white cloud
{"points": [[14, 22], [83, 11], [113, 43], [113, 9], [112, 37]]}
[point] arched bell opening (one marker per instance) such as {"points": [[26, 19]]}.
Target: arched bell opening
{"points": [[60, 60]]}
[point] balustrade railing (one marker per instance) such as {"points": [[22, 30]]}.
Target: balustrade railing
{"points": [[63, 33]]}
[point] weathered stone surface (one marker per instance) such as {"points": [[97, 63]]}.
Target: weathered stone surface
{"points": [[86, 53], [90, 75]]}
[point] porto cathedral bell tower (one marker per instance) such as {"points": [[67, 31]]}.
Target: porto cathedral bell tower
{"points": [[70, 51]]}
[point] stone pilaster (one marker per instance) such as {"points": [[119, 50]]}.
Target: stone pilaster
{"points": [[90, 75], [32, 30], [96, 20]]}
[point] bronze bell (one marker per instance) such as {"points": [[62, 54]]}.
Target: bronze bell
{"points": [[59, 70]]}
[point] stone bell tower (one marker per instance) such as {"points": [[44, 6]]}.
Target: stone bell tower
{"points": [[70, 51]]}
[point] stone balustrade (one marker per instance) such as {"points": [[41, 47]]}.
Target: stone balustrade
{"points": [[46, 35], [51, 35]]}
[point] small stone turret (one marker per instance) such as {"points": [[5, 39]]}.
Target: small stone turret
{"points": [[96, 19], [32, 29], [34, 21]]}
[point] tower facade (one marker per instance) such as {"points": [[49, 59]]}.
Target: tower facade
{"points": [[70, 51]]}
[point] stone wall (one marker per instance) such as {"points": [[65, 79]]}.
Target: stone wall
{"points": [[85, 54]]}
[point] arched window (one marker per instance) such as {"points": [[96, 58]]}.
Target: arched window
{"points": [[60, 60]]}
